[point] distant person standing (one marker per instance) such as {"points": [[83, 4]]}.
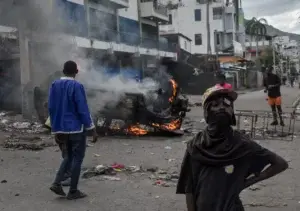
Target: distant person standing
{"points": [[272, 85], [221, 81], [70, 119]]}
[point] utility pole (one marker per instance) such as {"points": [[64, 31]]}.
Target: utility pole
{"points": [[26, 88]]}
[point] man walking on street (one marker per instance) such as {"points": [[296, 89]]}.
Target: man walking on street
{"points": [[272, 84], [221, 162], [70, 119]]}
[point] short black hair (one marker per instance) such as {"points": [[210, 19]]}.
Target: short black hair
{"points": [[70, 68]]}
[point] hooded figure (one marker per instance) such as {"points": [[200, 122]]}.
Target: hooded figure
{"points": [[219, 160]]}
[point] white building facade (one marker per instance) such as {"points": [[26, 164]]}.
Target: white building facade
{"points": [[190, 19], [129, 26]]}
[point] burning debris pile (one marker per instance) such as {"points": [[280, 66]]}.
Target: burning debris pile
{"points": [[133, 116]]}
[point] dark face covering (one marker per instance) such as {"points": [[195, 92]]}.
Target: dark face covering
{"points": [[219, 117], [220, 112]]}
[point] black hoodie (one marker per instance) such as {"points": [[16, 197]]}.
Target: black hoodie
{"points": [[215, 174]]}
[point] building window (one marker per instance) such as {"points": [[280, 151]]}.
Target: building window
{"points": [[170, 19], [218, 41], [185, 45], [197, 15], [198, 39], [217, 13]]}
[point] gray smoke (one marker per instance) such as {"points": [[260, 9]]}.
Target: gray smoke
{"points": [[48, 52]]}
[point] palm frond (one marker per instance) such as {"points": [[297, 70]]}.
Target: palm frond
{"points": [[263, 21]]}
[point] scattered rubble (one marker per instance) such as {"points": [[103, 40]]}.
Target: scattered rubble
{"points": [[197, 104], [158, 176], [11, 122], [111, 178], [27, 142]]}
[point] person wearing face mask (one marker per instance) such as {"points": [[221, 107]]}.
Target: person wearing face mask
{"points": [[220, 162], [272, 85]]}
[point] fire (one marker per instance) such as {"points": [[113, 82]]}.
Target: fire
{"points": [[174, 125], [174, 86], [136, 130]]}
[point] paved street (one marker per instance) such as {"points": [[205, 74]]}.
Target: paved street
{"points": [[28, 174]]}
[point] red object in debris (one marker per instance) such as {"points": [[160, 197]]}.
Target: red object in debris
{"points": [[159, 182], [118, 166]]}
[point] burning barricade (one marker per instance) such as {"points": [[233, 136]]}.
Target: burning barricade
{"points": [[134, 115], [155, 112]]}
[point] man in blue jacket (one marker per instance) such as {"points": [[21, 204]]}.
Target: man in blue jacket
{"points": [[70, 119]]}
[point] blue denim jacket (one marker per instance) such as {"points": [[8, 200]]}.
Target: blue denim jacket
{"points": [[68, 108]]}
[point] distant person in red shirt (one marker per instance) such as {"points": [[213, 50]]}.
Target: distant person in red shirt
{"points": [[221, 81]]}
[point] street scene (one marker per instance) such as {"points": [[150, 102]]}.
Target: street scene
{"points": [[153, 164], [153, 105]]}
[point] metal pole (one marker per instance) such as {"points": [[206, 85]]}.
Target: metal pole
{"points": [[274, 60]]}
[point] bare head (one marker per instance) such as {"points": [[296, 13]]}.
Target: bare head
{"points": [[70, 69]]}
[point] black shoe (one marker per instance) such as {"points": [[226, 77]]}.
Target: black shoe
{"points": [[58, 190], [275, 122], [66, 182], [282, 123], [76, 195]]}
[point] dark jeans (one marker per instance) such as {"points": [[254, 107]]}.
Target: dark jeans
{"points": [[61, 140], [75, 152]]}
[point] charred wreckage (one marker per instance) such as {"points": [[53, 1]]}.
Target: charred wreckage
{"points": [[159, 112]]}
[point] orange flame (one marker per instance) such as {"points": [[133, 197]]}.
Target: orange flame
{"points": [[136, 130], [174, 86], [174, 125]]}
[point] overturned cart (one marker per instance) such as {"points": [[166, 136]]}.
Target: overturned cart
{"points": [[256, 124]]}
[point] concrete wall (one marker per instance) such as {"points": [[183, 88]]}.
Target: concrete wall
{"points": [[185, 44]]}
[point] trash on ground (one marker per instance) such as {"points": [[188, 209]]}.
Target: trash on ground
{"points": [[98, 170], [133, 169], [26, 142], [96, 155], [112, 178]]}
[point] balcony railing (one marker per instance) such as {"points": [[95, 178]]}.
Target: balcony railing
{"points": [[121, 3], [157, 7], [133, 39], [161, 9]]}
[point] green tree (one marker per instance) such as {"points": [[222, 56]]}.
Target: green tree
{"points": [[266, 58], [256, 28]]}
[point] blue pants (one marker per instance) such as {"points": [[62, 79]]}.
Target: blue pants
{"points": [[75, 148]]}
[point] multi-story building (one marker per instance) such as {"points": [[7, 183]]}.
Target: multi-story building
{"points": [[122, 28], [128, 26], [190, 18]]}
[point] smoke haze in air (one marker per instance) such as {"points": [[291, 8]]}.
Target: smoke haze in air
{"points": [[48, 53]]}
